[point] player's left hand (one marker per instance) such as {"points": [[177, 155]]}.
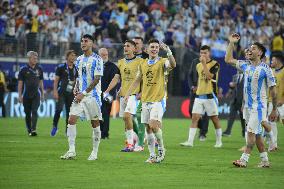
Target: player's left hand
{"points": [[42, 97], [79, 97], [273, 115], [166, 48], [202, 59], [126, 99]]}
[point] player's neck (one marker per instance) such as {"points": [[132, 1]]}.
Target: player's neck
{"points": [[129, 56], [32, 65], [152, 57], [88, 53], [256, 62], [70, 65], [278, 66], [138, 53]]}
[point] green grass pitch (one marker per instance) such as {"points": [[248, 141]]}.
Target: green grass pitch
{"points": [[33, 162]]}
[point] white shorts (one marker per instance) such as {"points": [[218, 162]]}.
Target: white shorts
{"points": [[89, 108], [202, 105], [130, 107], [254, 118], [280, 110], [153, 111]]}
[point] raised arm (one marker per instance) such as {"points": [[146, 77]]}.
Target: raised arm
{"points": [[169, 54], [234, 38]]}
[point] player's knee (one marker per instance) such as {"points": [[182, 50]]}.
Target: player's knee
{"points": [[72, 120], [154, 124], [95, 123], [127, 117], [195, 117]]}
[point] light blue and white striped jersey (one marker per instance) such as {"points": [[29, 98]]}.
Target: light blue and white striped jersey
{"points": [[88, 67], [256, 83]]}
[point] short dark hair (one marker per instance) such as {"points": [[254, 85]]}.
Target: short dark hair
{"points": [[262, 48], [70, 52], [88, 36], [130, 41], [141, 38], [205, 47], [153, 41], [279, 55]]}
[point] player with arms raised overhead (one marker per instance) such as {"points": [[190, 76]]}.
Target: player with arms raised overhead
{"points": [[258, 78]]}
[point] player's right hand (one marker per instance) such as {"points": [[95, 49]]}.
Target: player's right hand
{"points": [[234, 38], [20, 99], [55, 95]]}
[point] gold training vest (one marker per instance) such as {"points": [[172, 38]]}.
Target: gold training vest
{"points": [[204, 85], [128, 71], [153, 78]]}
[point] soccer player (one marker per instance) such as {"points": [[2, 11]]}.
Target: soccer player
{"points": [[152, 75], [206, 100], [137, 120], [87, 100], [128, 68], [277, 63], [258, 76], [65, 77], [31, 78]]}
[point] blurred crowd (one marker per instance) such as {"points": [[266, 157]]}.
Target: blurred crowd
{"points": [[59, 24]]}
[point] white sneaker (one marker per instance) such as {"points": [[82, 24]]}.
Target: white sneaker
{"points": [[93, 156], [218, 145], [186, 144], [68, 155], [264, 164], [138, 149], [151, 159], [161, 155]]}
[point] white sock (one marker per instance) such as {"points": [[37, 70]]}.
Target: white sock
{"points": [[245, 157], [159, 136], [96, 139], [263, 156], [191, 135], [151, 144], [218, 133], [71, 134], [271, 137], [129, 136], [274, 131]]}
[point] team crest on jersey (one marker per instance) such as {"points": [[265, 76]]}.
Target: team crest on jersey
{"points": [[37, 73]]}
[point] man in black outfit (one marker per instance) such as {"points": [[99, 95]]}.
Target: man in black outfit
{"points": [[31, 77], [236, 104], [192, 82], [65, 78], [110, 69]]}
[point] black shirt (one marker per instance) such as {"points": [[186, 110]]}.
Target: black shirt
{"points": [[143, 55], [31, 78], [110, 69], [65, 75]]}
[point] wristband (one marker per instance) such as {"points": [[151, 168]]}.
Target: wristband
{"points": [[169, 52], [84, 93]]}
